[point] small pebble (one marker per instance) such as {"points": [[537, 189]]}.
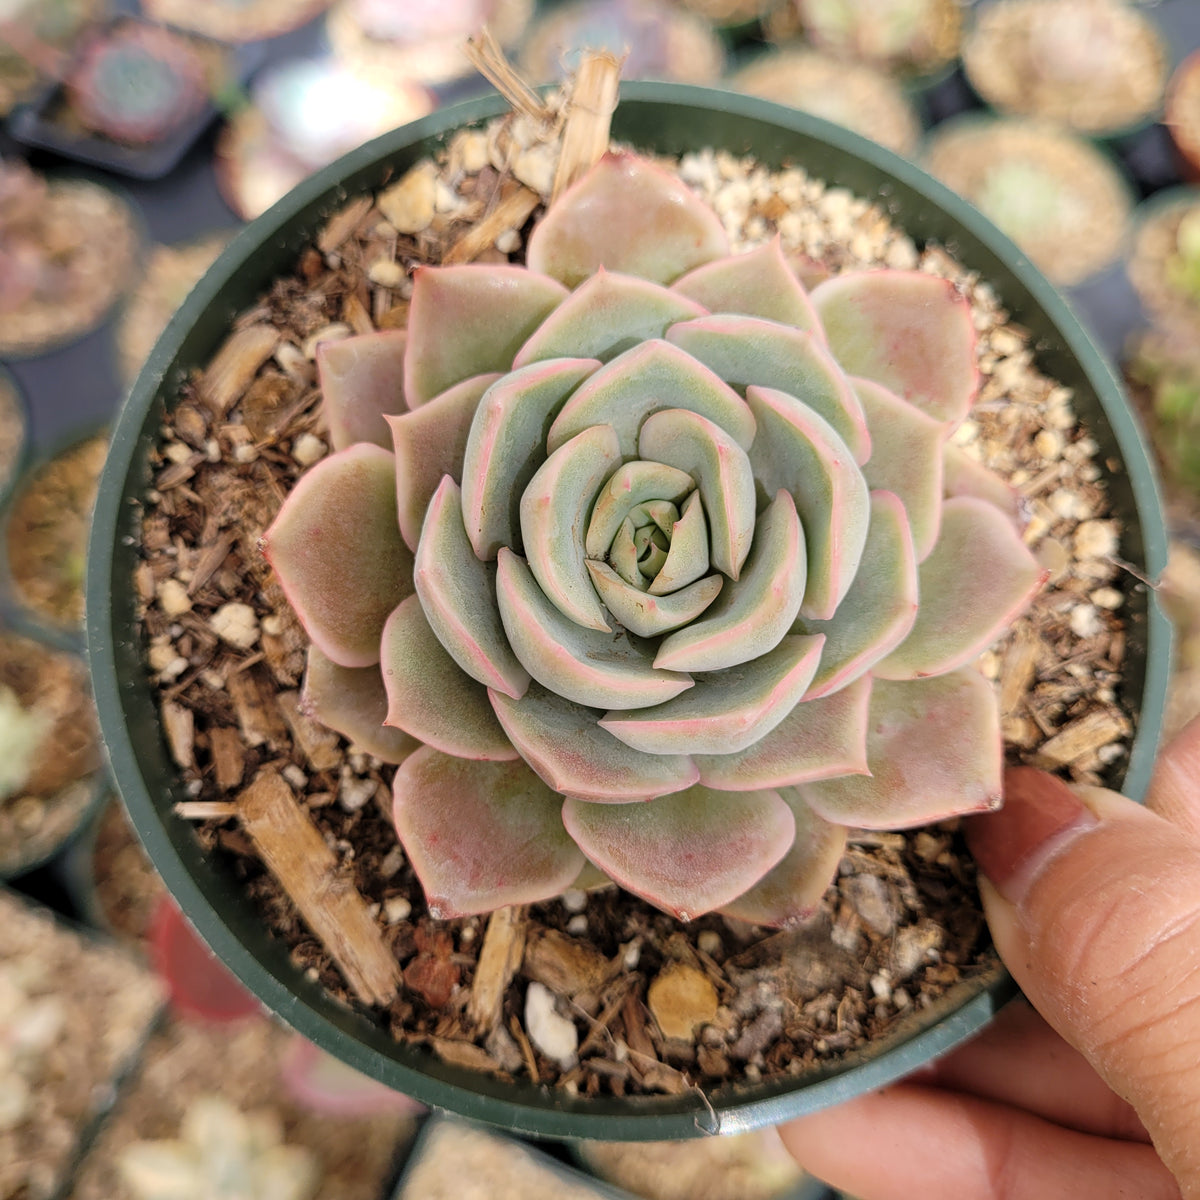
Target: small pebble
{"points": [[409, 204], [574, 900], [397, 909], [173, 598], [553, 1034], [236, 624], [578, 925], [709, 940], [308, 449], [681, 999]]}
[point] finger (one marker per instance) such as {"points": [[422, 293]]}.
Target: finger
{"points": [[1175, 788], [1019, 1060], [911, 1141], [1096, 912]]}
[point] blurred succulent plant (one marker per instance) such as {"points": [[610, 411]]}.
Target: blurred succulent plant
{"points": [[137, 84], [221, 1153], [22, 731], [652, 558], [1183, 266], [30, 1021], [898, 33]]}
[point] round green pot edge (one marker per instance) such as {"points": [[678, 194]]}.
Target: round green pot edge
{"points": [[668, 118]]}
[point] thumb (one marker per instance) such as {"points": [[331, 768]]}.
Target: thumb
{"points": [[1094, 905]]}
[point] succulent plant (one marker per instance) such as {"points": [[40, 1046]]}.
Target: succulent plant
{"points": [[649, 563], [137, 84], [30, 1021], [22, 731], [221, 1153], [1183, 266], [899, 33]]}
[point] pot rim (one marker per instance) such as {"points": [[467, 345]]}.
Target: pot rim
{"points": [[113, 638]]}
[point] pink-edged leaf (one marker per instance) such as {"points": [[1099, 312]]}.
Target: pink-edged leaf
{"points": [[430, 442], [966, 476], [362, 381], [880, 608], [646, 615], [352, 701], [644, 380], [470, 320], [431, 697], [628, 215], [605, 316], [909, 331], [753, 613], [758, 283], [336, 547], [727, 710], [481, 835], [934, 749], [818, 739], [976, 581], [589, 666], [687, 853], [692, 443], [564, 744], [554, 512], [906, 459], [458, 595], [798, 451], [507, 444], [790, 892], [747, 351]]}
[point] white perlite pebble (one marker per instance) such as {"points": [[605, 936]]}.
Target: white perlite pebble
{"points": [[397, 909], [308, 449], [236, 624], [1096, 539], [173, 598], [574, 900], [554, 1035], [1085, 621]]}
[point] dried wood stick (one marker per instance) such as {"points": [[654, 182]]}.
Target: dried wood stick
{"points": [[499, 957], [295, 853], [489, 60], [589, 118]]}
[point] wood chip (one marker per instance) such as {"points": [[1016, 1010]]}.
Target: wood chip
{"points": [[463, 1054], [253, 696], [295, 853], [589, 118], [511, 213], [179, 724], [1084, 736], [319, 744], [499, 958], [228, 756], [231, 372], [343, 223], [1018, 669]]}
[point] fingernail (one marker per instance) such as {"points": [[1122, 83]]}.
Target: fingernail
{"points": [[1040, 815]]}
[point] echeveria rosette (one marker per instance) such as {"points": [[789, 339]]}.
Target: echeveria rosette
{"points": [[655, 557]]}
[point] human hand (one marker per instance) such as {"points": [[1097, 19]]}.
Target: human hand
{"points": [[1094, 905]]}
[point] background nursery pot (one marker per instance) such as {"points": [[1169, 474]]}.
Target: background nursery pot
{"points": [[668, 119]]}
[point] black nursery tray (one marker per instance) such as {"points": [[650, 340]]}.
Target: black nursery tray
{"points": [[45, 121]]}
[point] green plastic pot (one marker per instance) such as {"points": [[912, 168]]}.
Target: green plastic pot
{"points": [[668, 118]]}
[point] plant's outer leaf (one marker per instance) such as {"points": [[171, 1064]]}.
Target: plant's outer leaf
{"points": [[791, 890], [599, 670], [507, 444], [470, 320], [978, 578], [934, 748], [627, 215], [481, 835], [963, 475], [563, 743], [878, 611], [757, 283], [336, 546], [726, 711], [352, 701], [906, 459], [748, 351], [554, 511], [430, 697], [689, 852], [644, 380], [818, 739], [799, 451], [907, 330], [752, 615], [646, 615], [430, 442], [692, 443], [458, 594], [362, 381], [605, 316]]}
